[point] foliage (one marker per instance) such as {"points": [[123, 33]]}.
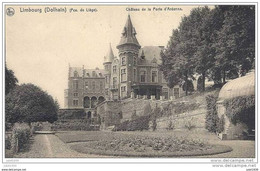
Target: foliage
{"points": [[235, 41], [69, 125], [28, 103], [8, 140], [139, 124], [170, 125], [134, 115], [10, 80], [149, 146], [239, 108], [211, 116], [20, 135], [189, 124], [215, 43], [71, 114]]}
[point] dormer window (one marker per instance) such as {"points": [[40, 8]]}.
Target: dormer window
{"points": [[76, 74], [93, 74]]}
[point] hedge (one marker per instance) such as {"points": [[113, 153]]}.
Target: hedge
{"points": [[20, 136], [238, 107], [138, 124]]}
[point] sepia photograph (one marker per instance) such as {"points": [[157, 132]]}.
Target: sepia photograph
{"points": [[129, 81]]}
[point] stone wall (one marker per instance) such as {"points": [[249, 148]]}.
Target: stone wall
{"points": [[110, 113]]}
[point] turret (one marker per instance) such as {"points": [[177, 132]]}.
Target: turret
{"points": [[108, 59], [128, 51]]}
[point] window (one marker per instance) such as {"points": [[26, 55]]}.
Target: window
{"points": [[115, 82], [86, 85], [76, 74], [93, 85], [75, 84], [101, 85], [123, 91], [123, 61], [114, 69], [135, 61], [76, 94], [107, 79], [142, 76], [154, 76], [176, 92], [123, 88], [75, 102], [123, 74], [134, 74]]}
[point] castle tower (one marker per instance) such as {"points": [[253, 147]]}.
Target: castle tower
{"points": [[108, 59], [128, 52]]}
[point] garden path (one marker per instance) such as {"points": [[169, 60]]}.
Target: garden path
{"points": [[50, 146]]}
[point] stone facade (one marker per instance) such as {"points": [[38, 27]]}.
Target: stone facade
{"points": [[134, 73]]}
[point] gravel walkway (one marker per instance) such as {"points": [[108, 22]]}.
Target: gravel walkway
{"points": [[50, 146]]}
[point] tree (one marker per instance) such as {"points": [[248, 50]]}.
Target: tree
{"points": [[10, 80], [29, 103], [235, 41]]}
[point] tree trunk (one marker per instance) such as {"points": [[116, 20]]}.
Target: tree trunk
{"points": [[186, 83], [203, 81], [224, 76]]}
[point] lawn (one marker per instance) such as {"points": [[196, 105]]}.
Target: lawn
{"points": [[141, 144]]}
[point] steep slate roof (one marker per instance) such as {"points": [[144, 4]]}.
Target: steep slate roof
{"points": [[110, 55], [88, 72], [243, 86], [151, 54], [128, 34]]}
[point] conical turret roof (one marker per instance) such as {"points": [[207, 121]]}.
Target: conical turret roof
{"points": [[128, 34], [110, 55]]}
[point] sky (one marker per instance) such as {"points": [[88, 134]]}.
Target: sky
{"points": [[41, 46]]}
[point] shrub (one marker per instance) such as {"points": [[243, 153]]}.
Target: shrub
{"points": [[68, 125], [20, 136], [170, 125], [71, 114], [8, 139], [139, 124], [211, 116], [189, 124]]}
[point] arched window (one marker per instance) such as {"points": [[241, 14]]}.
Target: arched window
{"points": [[94, 102], [86, 102], [101, 99]]}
